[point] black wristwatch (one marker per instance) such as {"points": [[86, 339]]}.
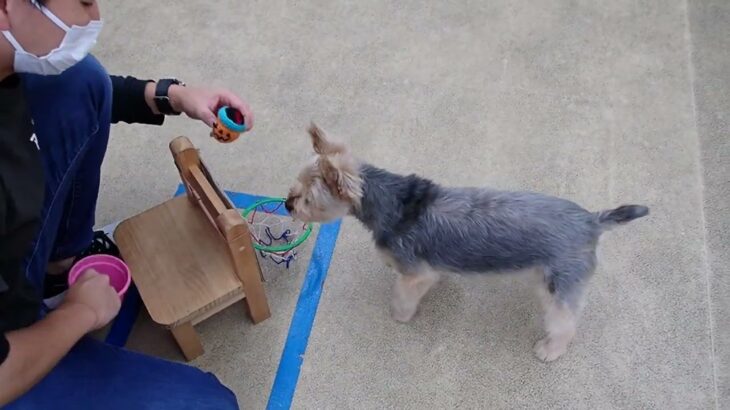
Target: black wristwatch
{"points": [[162, 100]]}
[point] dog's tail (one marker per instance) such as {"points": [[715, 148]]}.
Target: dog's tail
{"points": [[621, 215]]}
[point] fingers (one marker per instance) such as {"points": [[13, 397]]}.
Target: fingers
{"points": [[208, 117], [90, 274], [228, 98], [203, 104]]}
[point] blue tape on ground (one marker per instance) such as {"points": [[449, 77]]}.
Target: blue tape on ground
{"points": [[300, 328]]}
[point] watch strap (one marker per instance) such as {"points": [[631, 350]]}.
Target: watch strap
{"points": [[162, 98]]}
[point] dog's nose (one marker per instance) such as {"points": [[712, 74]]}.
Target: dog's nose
{"points": [[288, 205]]}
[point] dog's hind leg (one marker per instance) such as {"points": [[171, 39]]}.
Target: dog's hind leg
{"points": [[409, 289], [562, 297], [560, 325]]}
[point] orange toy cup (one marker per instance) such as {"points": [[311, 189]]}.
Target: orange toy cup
{"points": [[229, 125]]}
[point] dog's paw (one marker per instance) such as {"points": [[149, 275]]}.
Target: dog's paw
{"points": [[402, 314], [548, 350]]}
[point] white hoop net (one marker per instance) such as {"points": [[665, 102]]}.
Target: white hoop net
{"points": [[270, 229]]}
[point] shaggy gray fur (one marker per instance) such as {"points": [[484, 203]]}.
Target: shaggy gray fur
{"points": [[480, 230]]}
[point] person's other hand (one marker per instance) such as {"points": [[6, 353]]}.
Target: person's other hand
{"points": [[203, 104], [93, 292]]}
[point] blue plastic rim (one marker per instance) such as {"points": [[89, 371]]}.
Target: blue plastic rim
{"points": [[229, 123]]}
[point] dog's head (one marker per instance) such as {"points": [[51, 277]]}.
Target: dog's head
{"points": [[329, 186]]}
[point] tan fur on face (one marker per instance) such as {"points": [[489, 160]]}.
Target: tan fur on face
{"points": [[330, 185]]}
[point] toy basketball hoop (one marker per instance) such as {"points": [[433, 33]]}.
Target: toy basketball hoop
{"points": [[275, 234]]}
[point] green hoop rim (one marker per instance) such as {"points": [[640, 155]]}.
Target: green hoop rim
{"points": [[279, 248]]}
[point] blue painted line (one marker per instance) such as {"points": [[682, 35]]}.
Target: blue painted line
{"points": [[122, 326], [287, 375]]}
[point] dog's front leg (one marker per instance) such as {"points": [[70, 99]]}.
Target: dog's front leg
{"points": [[408, 290]]}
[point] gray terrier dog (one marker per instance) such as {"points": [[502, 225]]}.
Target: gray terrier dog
{"points": [[422, 228]]}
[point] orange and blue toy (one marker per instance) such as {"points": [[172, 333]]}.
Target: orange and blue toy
{"points": [[229, 126]]}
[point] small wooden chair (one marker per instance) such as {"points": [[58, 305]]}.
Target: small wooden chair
{"points": [[192, 257]]}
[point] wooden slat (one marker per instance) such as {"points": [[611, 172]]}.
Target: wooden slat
{"points": [[207, 194], [245, 263], [221, 194], [185, 156], [223, 303]]}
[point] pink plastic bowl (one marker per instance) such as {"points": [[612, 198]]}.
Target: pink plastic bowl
{"points": [[115, 268]]}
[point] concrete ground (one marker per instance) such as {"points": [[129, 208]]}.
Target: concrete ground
{"points": [[603, 103]]}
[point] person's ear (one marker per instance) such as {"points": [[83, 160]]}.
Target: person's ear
{"points": [[4, 19]]}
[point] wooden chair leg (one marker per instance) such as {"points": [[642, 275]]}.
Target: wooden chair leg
{"points": [[245, 263], [250, 274], [188, 341]]}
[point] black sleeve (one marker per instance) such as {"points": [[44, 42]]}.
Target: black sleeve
{"points": [[4, 348], [128, 103]]}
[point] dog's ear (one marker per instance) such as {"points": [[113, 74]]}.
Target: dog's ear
{"points": [[341, 177], [322, 144]]}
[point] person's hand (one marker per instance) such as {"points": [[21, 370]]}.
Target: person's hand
{"points": [[92, 293], [203, 104]]}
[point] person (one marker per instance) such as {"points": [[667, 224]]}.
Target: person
{"points": [[57, 104]]}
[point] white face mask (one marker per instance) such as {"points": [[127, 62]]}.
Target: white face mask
{"points": [[75, 46]]}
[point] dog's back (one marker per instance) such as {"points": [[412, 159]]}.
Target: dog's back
{"points": [[486, 230], [478, 230]]}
